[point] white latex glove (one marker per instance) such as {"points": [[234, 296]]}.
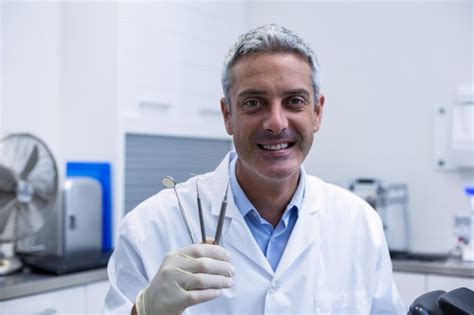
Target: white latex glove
{"points": [[188, 276]]}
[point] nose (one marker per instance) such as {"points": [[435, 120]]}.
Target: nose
{"points": [[276, 120]]}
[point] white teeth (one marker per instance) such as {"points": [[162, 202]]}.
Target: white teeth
{"points": [[274, 147]]}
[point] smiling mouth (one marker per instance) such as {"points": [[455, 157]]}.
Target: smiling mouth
{"points": [[276, 147]]}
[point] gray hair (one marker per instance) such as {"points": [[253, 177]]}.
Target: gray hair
{"points": [[268, 39]]}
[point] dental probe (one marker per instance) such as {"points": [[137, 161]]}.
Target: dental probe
{"points": [[220, 223], [169, 182], [201, 218]]}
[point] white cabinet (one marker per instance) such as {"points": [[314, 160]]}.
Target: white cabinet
{"points": [[162, 87], [436, 282], [409, 285], [85, 300], [67, 301], [412, 285]]}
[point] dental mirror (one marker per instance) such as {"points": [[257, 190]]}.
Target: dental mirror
{"points": [[168, 182]]}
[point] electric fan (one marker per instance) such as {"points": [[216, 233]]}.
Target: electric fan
{"points": [[28, 190]]}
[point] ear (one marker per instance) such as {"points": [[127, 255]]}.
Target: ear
{"points": [[227, 115], [318, 113]]}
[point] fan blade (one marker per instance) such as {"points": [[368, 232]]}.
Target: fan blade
{"points": [[8, 180], [5, 213], [39, 202], [30, 165], [5, 198], [42, 194], [8, 233], [30, 220]]}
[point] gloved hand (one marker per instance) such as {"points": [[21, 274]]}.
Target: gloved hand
{"points": [[191, 275]]}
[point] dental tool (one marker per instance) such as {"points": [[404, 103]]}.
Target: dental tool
{"points": [[201, 218], [220, 222], [169, 182]]}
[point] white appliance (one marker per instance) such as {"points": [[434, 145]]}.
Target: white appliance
{"points": [[454, 132], [82, 216], [390, 201]]}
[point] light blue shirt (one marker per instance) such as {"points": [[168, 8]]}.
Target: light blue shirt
{"points": [[272, 241]]}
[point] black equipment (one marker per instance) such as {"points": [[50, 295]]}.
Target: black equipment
{"points": [[456, 302]]}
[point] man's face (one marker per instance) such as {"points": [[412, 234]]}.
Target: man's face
{"points": [[272, 117]]}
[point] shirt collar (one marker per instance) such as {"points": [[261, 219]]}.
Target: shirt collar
{"points": [[243, 203]]}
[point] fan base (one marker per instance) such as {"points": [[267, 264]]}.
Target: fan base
{"points": [[9, 265]]}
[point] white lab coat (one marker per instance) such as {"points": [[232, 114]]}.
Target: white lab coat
{"points": [[336, 260]]}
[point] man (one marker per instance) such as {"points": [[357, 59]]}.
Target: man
{"points": [[292, 244]]}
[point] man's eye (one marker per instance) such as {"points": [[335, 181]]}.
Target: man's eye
{"points": [[252, 103], [296, 101]]}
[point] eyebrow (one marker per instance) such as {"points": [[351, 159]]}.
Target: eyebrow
{"points": [[262, 92], [252, 92], [297, 91]]}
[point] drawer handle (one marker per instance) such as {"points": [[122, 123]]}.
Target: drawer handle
{"points": [[72, 222], [48, 311], [154, 105], [209, 112]]}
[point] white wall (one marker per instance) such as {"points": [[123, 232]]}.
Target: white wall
{"points": [[30, 70], [385, 66], [88, 91], [58, 77], [1, 70]]}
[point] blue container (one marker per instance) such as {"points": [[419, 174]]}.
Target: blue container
{"points": [[102, 173]]}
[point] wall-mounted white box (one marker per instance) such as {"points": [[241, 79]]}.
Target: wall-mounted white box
{"points": [[454, 132]]}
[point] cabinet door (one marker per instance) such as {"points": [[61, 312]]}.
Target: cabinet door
{"points": [[68, 301], [163, 88], [95, 296], [446, 283], [410, 286]]}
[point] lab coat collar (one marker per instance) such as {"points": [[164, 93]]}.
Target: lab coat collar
{"points": [[312, 201], [314, 197], [218, 185]]}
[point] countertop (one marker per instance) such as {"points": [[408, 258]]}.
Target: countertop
{"points": [[453, 268], [29, 283]]}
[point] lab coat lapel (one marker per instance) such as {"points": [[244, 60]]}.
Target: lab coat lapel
{"points": [[235, 231], [239, 237], [303, 236], [306, 230]]}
